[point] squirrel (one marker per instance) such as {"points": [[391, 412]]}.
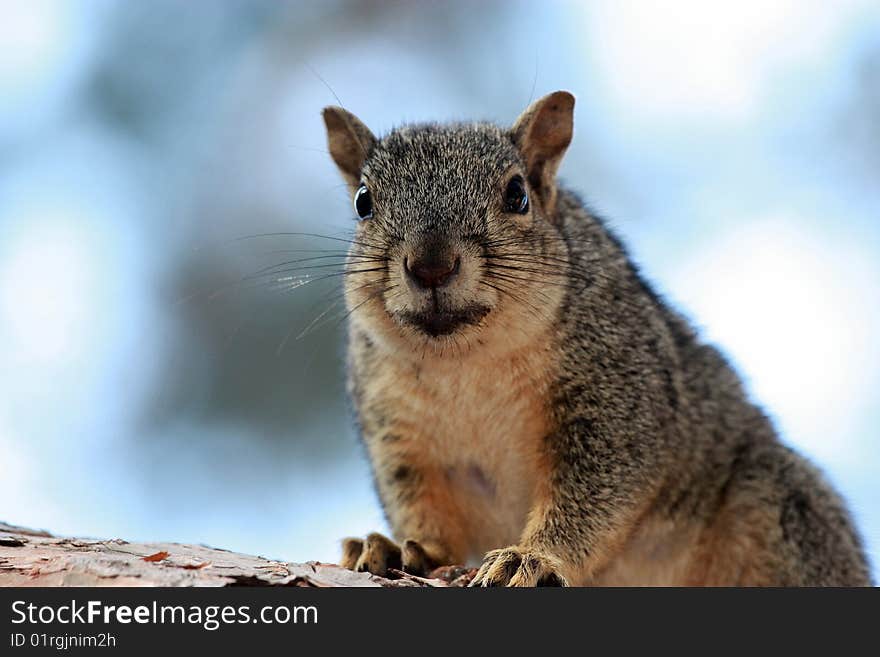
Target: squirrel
{"points": [[528, 402]]}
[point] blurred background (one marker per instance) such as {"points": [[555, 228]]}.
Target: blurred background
{"points": [[150, 390]]}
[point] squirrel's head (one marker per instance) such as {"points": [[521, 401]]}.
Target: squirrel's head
{"points": [[456, 233]]}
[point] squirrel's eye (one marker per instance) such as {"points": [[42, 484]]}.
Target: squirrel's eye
{"points": [[363, 203], [516, 199]]}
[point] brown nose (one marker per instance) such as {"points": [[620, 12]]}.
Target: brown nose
{"points": [[431, 273]]}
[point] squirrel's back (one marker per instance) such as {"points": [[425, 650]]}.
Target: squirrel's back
{"points": [[731, 481]]}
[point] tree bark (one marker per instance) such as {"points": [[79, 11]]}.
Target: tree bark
{"points": [[36, 558]]}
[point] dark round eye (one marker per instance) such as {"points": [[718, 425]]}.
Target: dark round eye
{"points": [[516, 198], [363, 203]]}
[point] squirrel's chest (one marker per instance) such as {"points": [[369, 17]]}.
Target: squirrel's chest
{"points": [[494, 418], [479, 426]]}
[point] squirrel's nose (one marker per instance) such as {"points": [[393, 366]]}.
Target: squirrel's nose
{"points": [[431, 273]]}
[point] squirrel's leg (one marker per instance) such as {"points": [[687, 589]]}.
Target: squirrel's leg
{"points": [[584, 510], [422, 514]]}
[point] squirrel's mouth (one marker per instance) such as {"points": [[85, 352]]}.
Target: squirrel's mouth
{"points": [[437, 322]]}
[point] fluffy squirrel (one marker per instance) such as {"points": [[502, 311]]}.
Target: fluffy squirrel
{"points": [[529, 403]]}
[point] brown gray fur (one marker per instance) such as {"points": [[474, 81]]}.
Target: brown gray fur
{"points": [[528, 402]]}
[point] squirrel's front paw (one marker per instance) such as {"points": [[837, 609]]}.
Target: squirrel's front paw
{"points": [[515, 566], [377, 553]]}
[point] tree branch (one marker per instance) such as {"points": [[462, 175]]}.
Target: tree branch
{"points": [[37, 558]]}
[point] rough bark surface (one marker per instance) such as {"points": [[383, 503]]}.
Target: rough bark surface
{"points": [[36, 558]]}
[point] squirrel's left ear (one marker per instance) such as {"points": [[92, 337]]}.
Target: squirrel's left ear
{"points": [[349, 141], [542, 133]]}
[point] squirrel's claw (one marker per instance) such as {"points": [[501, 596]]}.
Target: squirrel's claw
{"points": [[351, 552], [378, 553], [514, 566]]}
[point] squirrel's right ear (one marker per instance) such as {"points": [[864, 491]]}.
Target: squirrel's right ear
{"points": [[542, 133], [349, 141]]}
